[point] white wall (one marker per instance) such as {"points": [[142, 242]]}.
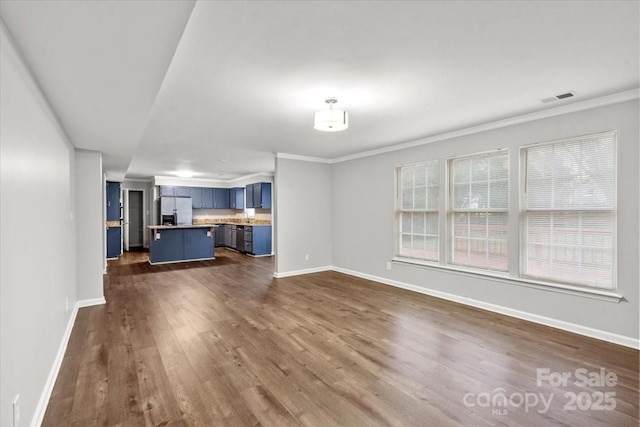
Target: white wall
{"points": [[302, 215], [89, 224], [363, 220], [37, 249]]}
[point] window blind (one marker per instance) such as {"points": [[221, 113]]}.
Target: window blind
{"points": [[478, 211], [419, 198], [569, 204]]}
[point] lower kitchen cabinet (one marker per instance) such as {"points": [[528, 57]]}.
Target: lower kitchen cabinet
{"points": [[180, 244], [113, 242], [230, 236], [250, 239], [261, 240], [168, 247], [198, 243]]}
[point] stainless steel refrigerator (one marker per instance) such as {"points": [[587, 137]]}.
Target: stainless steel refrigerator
{"points": [[181, 207]]}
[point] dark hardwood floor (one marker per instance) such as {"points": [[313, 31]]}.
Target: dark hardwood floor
{"points": [[223, 343]]}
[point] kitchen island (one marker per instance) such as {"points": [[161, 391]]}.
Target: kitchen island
{"points": [[180, 243]]}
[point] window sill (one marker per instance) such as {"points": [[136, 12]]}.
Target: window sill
{"points": [[599, 294]]}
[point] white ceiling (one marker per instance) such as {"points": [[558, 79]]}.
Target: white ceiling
{"points": [[159, 87]]}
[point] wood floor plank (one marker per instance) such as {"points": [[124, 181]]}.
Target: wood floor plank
{"points": [[222, 342], [158, 402]]}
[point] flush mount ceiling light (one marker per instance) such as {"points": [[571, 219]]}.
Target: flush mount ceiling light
{"points": [[184, 174], [331, 120]]}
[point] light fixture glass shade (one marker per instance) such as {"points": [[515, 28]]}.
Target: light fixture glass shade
{"points": [[331, 120]]}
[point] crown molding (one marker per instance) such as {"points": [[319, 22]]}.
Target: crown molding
{"points": [[139, 179], [615, 98], [588, 104], [303, 158], [253, 175]]}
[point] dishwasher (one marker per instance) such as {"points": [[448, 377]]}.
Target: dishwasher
{"points": [[240, 238]]}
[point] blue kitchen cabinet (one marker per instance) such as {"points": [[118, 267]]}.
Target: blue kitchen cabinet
{"points": [[261, 240], [197, 244], [169, 247], [113, 201], [167, 191], [183, 191], [259, 195], [113, 242], [236, 198], [180, 244], [221, 198], [174, 191], [248, 190], [207, 198], [196, 198]]}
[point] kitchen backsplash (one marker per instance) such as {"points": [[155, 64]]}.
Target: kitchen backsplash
{"points": [[211, 216]]}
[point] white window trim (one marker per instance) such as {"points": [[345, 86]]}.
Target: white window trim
{"points": [[593, 293], [449, 211], [522, 210], [399, 210]]}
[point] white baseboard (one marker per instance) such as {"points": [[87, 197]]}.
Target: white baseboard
{"points": [[90, 302], [38, 416], [299, 272], [547, 321]]}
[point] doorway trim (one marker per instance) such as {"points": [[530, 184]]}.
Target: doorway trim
{"points": [[125, 214]]}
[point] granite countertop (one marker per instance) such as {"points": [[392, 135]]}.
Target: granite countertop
{"points": [[202, 224], [253, 223], [168, 227], [249, 224]]}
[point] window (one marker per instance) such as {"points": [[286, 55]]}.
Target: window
{"points": [[562, 230], [418, 210], [569, 211], [479, 210]]}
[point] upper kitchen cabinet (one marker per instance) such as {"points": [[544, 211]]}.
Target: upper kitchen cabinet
{"points": [[236, 198], [173, 191], [259, 195], [207, 198], [183, 191], [201, 198], [113, 201], [196, 198], [221, 198], [167, 191]]}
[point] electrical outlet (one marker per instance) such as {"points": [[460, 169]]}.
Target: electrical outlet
{"points": [[16, 411], [306, 257], [388, 265], [66, 304]]}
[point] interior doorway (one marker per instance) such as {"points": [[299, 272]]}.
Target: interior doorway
{"points": [[136, 219]]}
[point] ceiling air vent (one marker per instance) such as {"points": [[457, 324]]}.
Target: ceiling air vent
{"points": [[565, 95], [557, 97]]}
